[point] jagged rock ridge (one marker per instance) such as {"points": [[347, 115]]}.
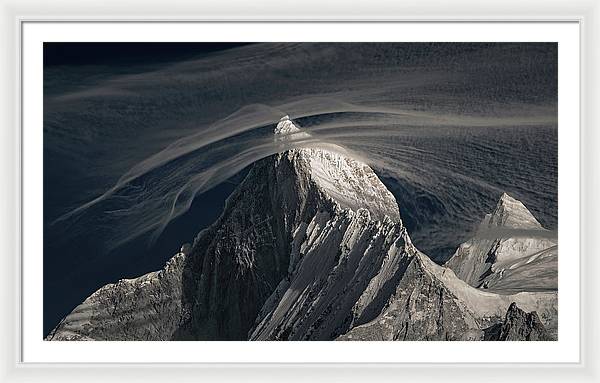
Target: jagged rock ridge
{"points": [[518, 325], [310, 246]]}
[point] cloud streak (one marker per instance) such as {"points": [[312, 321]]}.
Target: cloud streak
{"points": [[161, 140]]}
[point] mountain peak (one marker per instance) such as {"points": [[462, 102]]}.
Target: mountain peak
{"points": [[509, 248], [510, 212], [506, 198], [347, 182], [286, 126]]}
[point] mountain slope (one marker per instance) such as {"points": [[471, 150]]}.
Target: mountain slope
{"points": [[431, 303], [217, 289], [145, 308], [310, 246], [511, 252]]}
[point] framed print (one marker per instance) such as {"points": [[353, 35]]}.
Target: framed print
{"points": [[263, 192]]}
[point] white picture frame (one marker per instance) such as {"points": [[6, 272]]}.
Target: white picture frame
{"points": [[15, 14]]}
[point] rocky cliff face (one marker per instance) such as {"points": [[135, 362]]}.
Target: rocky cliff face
{"points": [[310, 246], [518, 325], [146, 308], [431, 303]]}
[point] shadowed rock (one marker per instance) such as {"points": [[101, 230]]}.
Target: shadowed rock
{"points": [[518, 325]]}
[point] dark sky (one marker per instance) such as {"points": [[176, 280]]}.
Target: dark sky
{"points": [[123, 53], [74, 268]]}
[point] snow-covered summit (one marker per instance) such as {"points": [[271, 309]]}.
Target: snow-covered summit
{"points": [[350, 183], [286, 126], [508, 238], [511, 213]]}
